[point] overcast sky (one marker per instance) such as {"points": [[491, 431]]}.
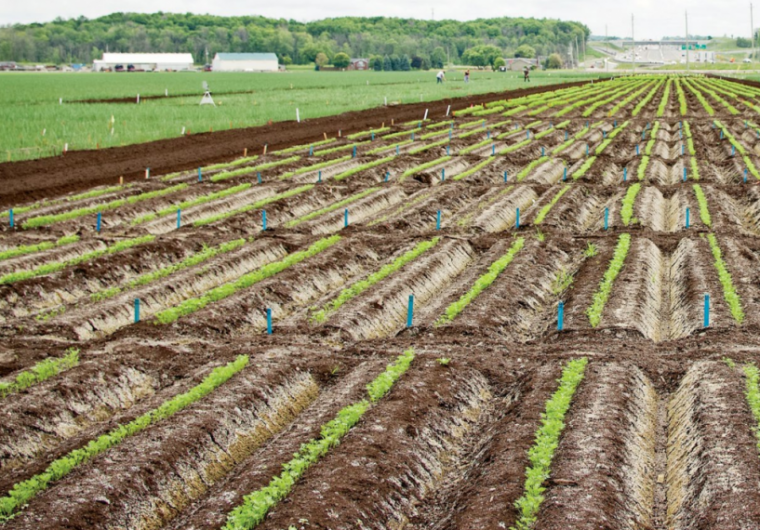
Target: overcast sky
{"points": [[654, 18]]}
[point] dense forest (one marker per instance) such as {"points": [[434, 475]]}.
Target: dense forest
{"points": [[432, 41]]}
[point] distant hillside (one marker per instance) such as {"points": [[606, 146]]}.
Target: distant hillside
{"points": [[81, 40]]}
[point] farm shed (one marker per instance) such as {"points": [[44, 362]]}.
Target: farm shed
{"points": [[359, 64], [244, 62], [518, 63], [144, 61]]}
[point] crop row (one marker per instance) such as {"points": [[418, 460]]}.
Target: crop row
{"points": [[729, 292], [602, 294], [40, 372]]}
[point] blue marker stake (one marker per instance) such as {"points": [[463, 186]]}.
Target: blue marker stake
{"points": [[412, 136], [449, 134], [684, 174], [586, 149], [269, 321], [397, 149], [745, 175], [564, 174], [688, 215], [443, 174], [447, 151], [11, 216], [565, 135], [680, 134], [493, 149], [733, 150], [637, 150], [505, 177], [682, 149], [373, 137], [625, 174], [604, 135], [561, 316], [200, 175], [517, 218], [606, 218], [410, 312], [542, 151], [137, 310], [721, 134], [438, 221], [387, 175], [97, 224], [147, 172], [179, 218], [311, 150], [263, 220], [614, 124], [319, 176], [707, 310], [354, 153], [258, 177], [488, 135], [345, 218]]}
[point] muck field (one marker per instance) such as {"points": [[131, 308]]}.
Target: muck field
{"points": [[534, 309]]}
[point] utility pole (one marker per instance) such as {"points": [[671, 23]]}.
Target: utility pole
{"points": [[752, 28], [577, 50], [633, 47], [686, 15]]}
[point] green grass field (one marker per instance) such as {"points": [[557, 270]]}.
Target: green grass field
{"points": [[29, 102]]}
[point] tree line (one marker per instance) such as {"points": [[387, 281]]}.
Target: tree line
{"points": [[395, 41]]}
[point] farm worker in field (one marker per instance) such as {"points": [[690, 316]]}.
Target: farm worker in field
{"points": [[466, 76], [526, 74], [440, 77]]}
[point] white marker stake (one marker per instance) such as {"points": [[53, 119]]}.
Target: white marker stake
{"points": [[426, 113], [44, 131], [298, 116], [166, 92], [448, 109], [183, 131], [65, 148], [386, 100], [138, 99], [60, 101]]}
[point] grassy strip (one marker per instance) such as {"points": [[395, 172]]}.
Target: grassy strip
{"points": [[542, 452], [25, 491], [246, 170], [626, 211], [39, 247], [584, 168], [192, 202], [315, 167], [665, 99], [482, 283], [216, 294], [257, 504], [530, 167], [729, 291], [49, 268], [386, 147], [368, 165], [199, 257], [752, 386], [704, 212], [331, 208], [545, 210], [304, 146], [40, 372], [423, 167], [359, 287], [45, 220], [425, 147], [368, 133], [474, 169], [248, 207], [601, 296]]}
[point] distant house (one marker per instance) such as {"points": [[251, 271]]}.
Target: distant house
{"points": [[143, 61], [358, 64], [517, 64], [244, 62]]}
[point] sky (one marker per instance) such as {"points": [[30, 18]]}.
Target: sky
{"points": [[653, 18]]}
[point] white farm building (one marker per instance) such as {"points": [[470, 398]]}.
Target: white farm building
{"points": [[244, 62], [144, 61]]}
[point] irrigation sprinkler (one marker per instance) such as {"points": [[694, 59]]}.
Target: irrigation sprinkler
{"points": [[147, 173], [258, 177], [410, 312], [179, 217], [561, 316], [345, 218], [10, 214], [97, 223], [438, 220], [137, 310], [517, 218], [269, 321], [263, 220], [200, 175], [688, 216], [707, 311], [606, 218], [625, 174]]}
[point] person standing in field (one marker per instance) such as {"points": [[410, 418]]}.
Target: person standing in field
{"points": [[526, 74], [466, 76], [441, 75]]}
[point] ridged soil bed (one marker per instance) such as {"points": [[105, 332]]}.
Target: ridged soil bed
{"points": [[665, 212]]}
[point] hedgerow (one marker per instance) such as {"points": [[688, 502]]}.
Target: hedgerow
{"points": [[216, 294], [594, 312], [482, 283], [24, 491], [541, 453]]}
